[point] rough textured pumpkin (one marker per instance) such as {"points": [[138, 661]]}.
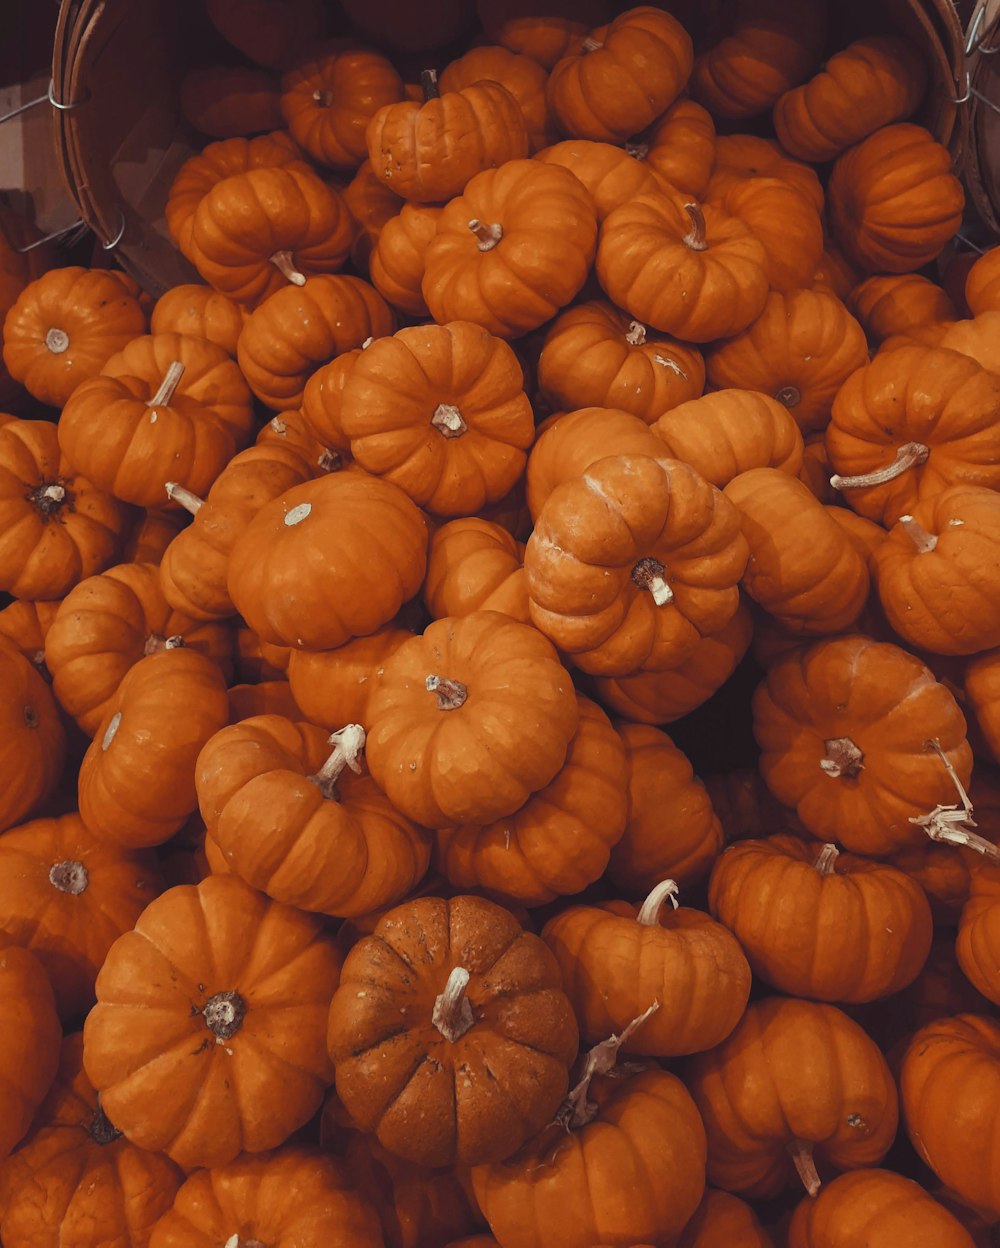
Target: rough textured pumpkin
{"points": [[478, 1061], [690, 270], [512, 249], [439, 410], [227, 102], [893, 200], [108, 623], [847, 727], [784, 220], [55, 526], [631, 564], [212, 1010], [803, 914], [800, 349], [31, 1039], [523, 77], [622, 77], [982, 288], [596, 356], [728, 432], [740, 156], [328, 560], [617, 960], [889, 305], [558, 841], [679, 147], [910, 423], [76, 1176], [475, 565], [469, 719], [397, 260], [950, 1086], [32, 737], [169, 407], [64, 328], [301, 327], [202, 311], [611, 174], [545, 37], [332, 687], [724, 1221], [279, 801], [871, 83]]}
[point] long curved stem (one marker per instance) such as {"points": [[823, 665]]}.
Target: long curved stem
{"points": [[649, 911], [801, 1153], [909, 455], [347, 742]]}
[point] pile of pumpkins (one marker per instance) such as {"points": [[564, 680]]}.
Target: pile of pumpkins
{"points": [[352, 891]]}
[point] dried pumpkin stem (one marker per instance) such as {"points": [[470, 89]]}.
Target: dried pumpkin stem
{"points": [[101, 1129], [695, 238], [649, 911], [347, 742], [329, 461], [591, 45], [843, 758], [638, 149], [323, 98], [69, 876], [952, 825], [451, 694], [636, 335], [155, 642], [448, 421], [50, 497], [285, 264], [924, 541], [825, 864], [909, 455], [57, 341], [452, 1014], [429, 84], [801, 1152], [170, 382], [788, 396], [576, 1110], [178, 493], [648, 574], [488, 234], [224, 1014]]}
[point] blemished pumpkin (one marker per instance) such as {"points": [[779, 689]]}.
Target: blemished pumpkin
{"points": [[230, 101], [32, 737], [31, 1039], [869, 84], [801, 912], [512, 249], [328, 560], [214, 976], [724, 1221], [478, 994], [784, 220], [595, 355], [332, 687], [611, 174], [893, 304], [558, 842], [676, 956], [202, 311], [630, 565], [396, 265], [523, 77], [545, 37], [475, 565], [64, 327]]}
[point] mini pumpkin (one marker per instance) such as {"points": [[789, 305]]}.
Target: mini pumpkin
{"points": [[982, 290], [31, 1039], [201, 311], [784, 220], [523, 77], [679, 147], [724, 1221], [894, 304], [32, 740], [741, 156], [372, 203], [332, 687], [545, 37], [610, 174], [475, 565], [977, 932], [981, 682], [230, 101], [397, 260]]}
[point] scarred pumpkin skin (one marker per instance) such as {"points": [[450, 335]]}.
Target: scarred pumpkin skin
{"points": [[31, 1039], [421, 1084], [32, 737]]}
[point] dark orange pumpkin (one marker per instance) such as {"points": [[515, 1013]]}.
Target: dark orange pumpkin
{"points": [[32, 737]]}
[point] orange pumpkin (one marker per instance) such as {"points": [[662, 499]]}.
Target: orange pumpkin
{"points": [[397, 260], [322, 400], [226, 102], [679, 147], [982, 289], [201, 311], [611, 174], [31, 1039], [25, 625], [836, 272], [332, 687], [740, 156], [784, 220], [523, 77], [475, 565], [891, 304], [545, 37], [977, 932], [372, 203], [724, 1221], [32, 739], [982, 690]]}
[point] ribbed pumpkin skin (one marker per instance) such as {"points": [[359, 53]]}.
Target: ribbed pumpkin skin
{"points": [[200, 310], [397, 261], [740, 156], [861, 931], [724, 1221], [888, 305], [475, 565], [332, 687], [979, 932], [31, 1038], [32, 737], [609, 173], [523, 77], [680, 147], [545, 37], [982, 688], [982, 283]]}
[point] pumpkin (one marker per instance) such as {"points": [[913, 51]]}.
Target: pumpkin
{"points": [[167, 407], [862, 742], [428, 151], [894, 304], [328, 560], [372, 203], [622, 77], [212, 1010], [982, 293], [270, 697], [596, 356], [802, 916], [328, 100], [800, 349], [256, 660], [784, 220], [610, 565], [201, 311], [439, 411], [949, 1086], [31, 1039], [558, 841], [332, 687], [229, 101], [728, 432], [691, 270], [18, 267], [545, 37], [475, 565], [678, 148], [977, 939], [322, 400], [836, 272], [682, 959], [295, 1191], [267, 32], [910, 423], [55, 526], [136, 785], [769, 48], [803, 568], [611, 174], [301, 327], [523, 77], [64, 327], [741, 156], [982, 691], [397, 260], [151, 534], [478, 1061], [26, 624], [893, 200], [32, 737], [724, 1221], [869, 84], [512, 249], [109, 622], [770, 1115]]}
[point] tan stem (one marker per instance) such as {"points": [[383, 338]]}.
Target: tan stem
{"points": [[429, 84], [168, 385], [591, 45], [648, 574], [347, 744], [909, 455], [451, 694], [952, 825], [50, 497], [788, 396], [695, 237], [576, 1110], [57, 341], [178, 493], [155, 642], [637, 149], [448, 421], [843, 758], [488, 234], [70, 877], [452, 1014], [636, 335], [924, 541], [801, 1153], [825, 864], [285, 264], [649, 911], [323, 98]]}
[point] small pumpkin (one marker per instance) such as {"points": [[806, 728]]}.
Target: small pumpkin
{"points": [[397, 260], [545, 37], [31, 1039], [523, 77], [372, 203], [201, 311], [741, 156], [724, 1221], [611, 174], [32, 737], [982, 690], [25, 625], [977, 932], [475, 565], [982, 290], [781, 217], [679, 147], [332, 687], [894, 304]]}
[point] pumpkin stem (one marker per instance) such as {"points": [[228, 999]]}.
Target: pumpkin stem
{"points": [[50, 497], [923, 540], [648, 574], [576, 1110], [843, 758], [909, 455], [452, 1014], [789, 396], [323, 98], [451, 694], [448, 421], [171, 379], [155, 643], [178, 493], [347, 744], [636, 335], [488, 235], [224, 1014], [330, 461], [802, 1158], [695, 237], [101, 1129], [952, 825], [429, 84], [234, 1241], [69, 877], [666, 362], [825, 864], [591, 45], [638, 149], [283, 262], [649, 911], [57, 341]]}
